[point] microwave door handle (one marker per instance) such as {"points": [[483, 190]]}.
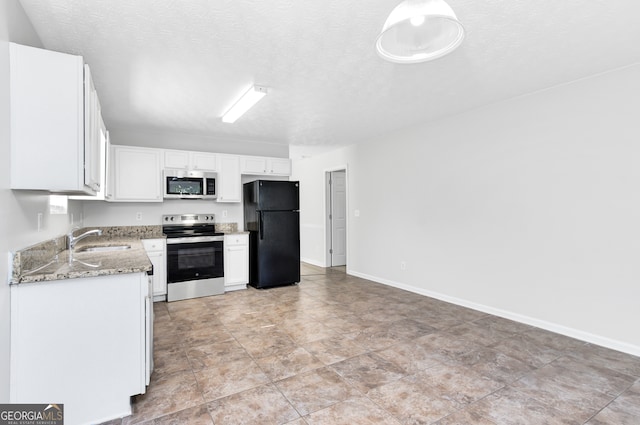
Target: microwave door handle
{"points": [[260, 229]]}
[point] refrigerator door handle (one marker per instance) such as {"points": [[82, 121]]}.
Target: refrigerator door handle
{"points": [[260, 229]]}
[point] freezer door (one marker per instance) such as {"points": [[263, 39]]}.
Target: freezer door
{"points": [[277, 255], [278, 195]]}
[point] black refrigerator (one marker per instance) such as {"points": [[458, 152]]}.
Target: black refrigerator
{"points": [[272, 219]]}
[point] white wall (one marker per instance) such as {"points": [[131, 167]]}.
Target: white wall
{"points": [[528, 208], [195, 142], [100, 213], [313, 201], [18, 210]]}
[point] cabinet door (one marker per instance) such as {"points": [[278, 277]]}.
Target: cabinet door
{"points": [[265, 166], [92, 133], [176, 159], [237, 271], [105, 152], [279, 166], [204, 161], [228, 181], [47, 120], [76, 362], [137, 175], [236, 261], [159, 273], [253, 165], [156, 251], [186, 160]]}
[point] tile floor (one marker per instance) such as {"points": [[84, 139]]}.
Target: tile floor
{"points": [[336, 349]]}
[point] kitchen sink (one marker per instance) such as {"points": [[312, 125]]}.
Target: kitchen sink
{"points": [[103, 248]]}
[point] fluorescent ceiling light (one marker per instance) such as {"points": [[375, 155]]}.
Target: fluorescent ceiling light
{"points": [[248, 99]]}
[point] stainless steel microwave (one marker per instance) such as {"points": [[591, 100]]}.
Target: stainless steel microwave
{"points": [[189, 184]]}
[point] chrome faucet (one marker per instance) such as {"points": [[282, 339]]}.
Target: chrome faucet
{"points": [[73, 240]]}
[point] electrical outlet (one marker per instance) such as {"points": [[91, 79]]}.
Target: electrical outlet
{"points": [[40, 219], [403, 265], [139, 216], [71, 219], [224, 213]]}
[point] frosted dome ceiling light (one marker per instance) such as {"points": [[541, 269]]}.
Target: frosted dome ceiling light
{"points": [[419, 31]]}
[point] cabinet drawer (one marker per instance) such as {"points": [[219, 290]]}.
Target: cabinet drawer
{"points": [[153, 244], [233, 240]]}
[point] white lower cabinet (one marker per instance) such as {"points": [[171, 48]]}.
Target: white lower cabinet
{"points": [[83, 342], [236, 261], [157, 252]]}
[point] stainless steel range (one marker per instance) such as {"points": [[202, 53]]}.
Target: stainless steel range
{"points": [[194, 256]]}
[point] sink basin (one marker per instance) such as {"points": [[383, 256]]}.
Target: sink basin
{"points": [[103, 248]]}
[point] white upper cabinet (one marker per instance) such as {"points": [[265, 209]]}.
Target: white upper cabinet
{"points": [[55, 116], [258, 165], [228, 182], [279, 166], [136, 175], [253, 165], [93, 127], [204, 161], [185, 160], [176, 159], [105, 152]]}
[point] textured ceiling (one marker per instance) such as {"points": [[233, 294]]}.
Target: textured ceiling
{"points": [[176, 65]]}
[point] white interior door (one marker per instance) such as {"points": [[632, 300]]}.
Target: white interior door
{"points": [[338, 218]]}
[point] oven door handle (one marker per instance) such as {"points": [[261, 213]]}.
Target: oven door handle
{"points": [[260, 229], [194, 239]]}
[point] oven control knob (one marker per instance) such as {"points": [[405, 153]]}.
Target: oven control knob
{"points": [[171, 218]]}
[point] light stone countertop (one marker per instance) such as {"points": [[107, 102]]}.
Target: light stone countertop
{"points": [[48, 260], [91, 264]]}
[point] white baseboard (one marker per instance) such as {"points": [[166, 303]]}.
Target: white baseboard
{"points": [[549, 326], [312, 262]]}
